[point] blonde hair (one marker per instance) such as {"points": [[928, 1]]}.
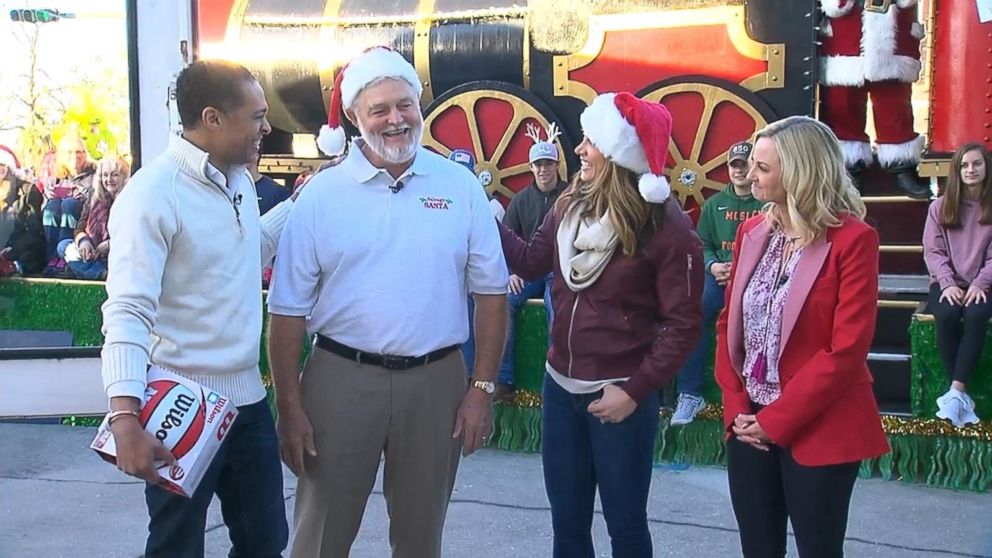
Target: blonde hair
{"points": [[615, 189], [66, 167], [112, 163], [817, 186]]}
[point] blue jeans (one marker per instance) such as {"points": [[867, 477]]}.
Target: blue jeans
{"points": [[581, 454], [91, 270], [515, 302], [691, 377], [246, 475], [59, 218]]}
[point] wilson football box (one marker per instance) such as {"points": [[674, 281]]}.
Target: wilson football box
{"points": [[190, 420]]}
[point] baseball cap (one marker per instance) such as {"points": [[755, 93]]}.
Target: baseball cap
{"points": [[463, 157], [740, 151], [543, 150]]}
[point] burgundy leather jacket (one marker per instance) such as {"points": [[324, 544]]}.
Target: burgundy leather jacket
{"points": [[640, 319]]}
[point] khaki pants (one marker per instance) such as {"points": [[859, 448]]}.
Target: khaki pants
{"points": [[359, 412]]}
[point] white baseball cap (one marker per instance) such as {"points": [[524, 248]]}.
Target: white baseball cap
{"points": [[543, 150]]}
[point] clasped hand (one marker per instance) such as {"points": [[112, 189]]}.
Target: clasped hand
{"points": [[747, 430]]}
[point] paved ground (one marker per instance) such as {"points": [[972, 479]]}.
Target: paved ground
{"points": [[57, 499]]}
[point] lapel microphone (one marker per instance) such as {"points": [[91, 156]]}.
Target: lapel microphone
{"points": [[237, 199], [397, 186]]}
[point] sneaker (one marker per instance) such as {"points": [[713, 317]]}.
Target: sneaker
{"points": [[968, 415], [950, 407], [686, 409]]}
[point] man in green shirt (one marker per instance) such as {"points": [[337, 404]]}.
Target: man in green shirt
{"points": [[717, 228]]}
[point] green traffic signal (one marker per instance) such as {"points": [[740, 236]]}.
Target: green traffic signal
{"points": [[45, 15]]}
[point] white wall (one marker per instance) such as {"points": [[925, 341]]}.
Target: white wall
{"points": [[162, 26], [51, 388]]}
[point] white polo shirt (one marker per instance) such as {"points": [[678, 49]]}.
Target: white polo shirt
{"points": [[383, 271]]}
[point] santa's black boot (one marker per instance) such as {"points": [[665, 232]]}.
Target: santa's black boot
{"points": [[857, 172], [910, 182]]}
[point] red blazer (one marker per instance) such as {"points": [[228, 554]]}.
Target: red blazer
{"points": [[826, 413]]}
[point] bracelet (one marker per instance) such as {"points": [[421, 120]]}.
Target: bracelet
{"points": [[114, 415]]}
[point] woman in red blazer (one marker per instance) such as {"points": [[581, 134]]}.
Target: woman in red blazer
{"points": [[792, 346]]}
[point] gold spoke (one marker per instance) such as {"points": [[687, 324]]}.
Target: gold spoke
{"points": [[504, 142], [713, 163], [442, 150], [516, 169], [500, 189], [677, 157], [709, 107], [473, 130]]}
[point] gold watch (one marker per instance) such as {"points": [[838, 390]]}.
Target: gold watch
{"points": [[484, 385]]}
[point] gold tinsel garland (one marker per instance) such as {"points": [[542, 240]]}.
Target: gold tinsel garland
{"points": [[894, 426]]}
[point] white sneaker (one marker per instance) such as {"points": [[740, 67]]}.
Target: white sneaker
{"points": [[954, 406], [950, 406], [968, 415], [687, 408]]}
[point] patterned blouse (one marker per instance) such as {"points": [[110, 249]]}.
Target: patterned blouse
{"points": [[764, 303]]}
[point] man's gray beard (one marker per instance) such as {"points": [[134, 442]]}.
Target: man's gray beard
{"points": [[393, 155]]}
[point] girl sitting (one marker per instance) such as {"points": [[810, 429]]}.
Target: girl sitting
{"points": [[957, 246]]}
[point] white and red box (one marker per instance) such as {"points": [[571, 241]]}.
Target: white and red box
{"points": [[190, 420]]}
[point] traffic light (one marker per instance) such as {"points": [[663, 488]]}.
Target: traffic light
{"points": [[45, 15]]}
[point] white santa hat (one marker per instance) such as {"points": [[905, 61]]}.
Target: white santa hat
{"points": [[375, 63], [634, 134]]}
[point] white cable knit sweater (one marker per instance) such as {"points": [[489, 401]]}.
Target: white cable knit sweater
{"points": [[184, 290]]}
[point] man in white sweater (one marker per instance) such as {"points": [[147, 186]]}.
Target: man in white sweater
{"points": [[184, 293]]}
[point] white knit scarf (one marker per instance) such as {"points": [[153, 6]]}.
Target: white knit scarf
{"points": [[585, 246]]}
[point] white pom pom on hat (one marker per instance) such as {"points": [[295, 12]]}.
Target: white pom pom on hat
{"points": [[634, 134], [372, 64]]}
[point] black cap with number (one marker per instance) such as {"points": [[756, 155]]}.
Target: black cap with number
{"points": [[739, 152]]}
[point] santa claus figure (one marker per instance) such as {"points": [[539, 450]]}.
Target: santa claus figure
{"points": [[871, 48]]}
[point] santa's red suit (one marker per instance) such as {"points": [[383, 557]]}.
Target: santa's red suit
{"points": [[871, 53]]}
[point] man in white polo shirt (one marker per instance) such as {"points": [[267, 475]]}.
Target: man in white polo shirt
{"points": [[376, 262]]}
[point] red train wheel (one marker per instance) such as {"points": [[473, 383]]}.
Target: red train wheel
{"points": [[710, 115], [489, 119]]}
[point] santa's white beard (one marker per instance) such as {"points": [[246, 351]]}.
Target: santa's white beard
{"points": [[394, 155]]}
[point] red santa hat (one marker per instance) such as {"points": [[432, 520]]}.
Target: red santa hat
{"points": [[634, 134], [8, 158], [374, 63]]}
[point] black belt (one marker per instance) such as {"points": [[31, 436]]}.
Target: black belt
{"points": [[389, 362]]}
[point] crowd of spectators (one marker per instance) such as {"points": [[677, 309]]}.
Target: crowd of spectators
{"points": [[53, 218]]}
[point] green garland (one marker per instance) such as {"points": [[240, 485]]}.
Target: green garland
{"points": [[924, 450]]}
